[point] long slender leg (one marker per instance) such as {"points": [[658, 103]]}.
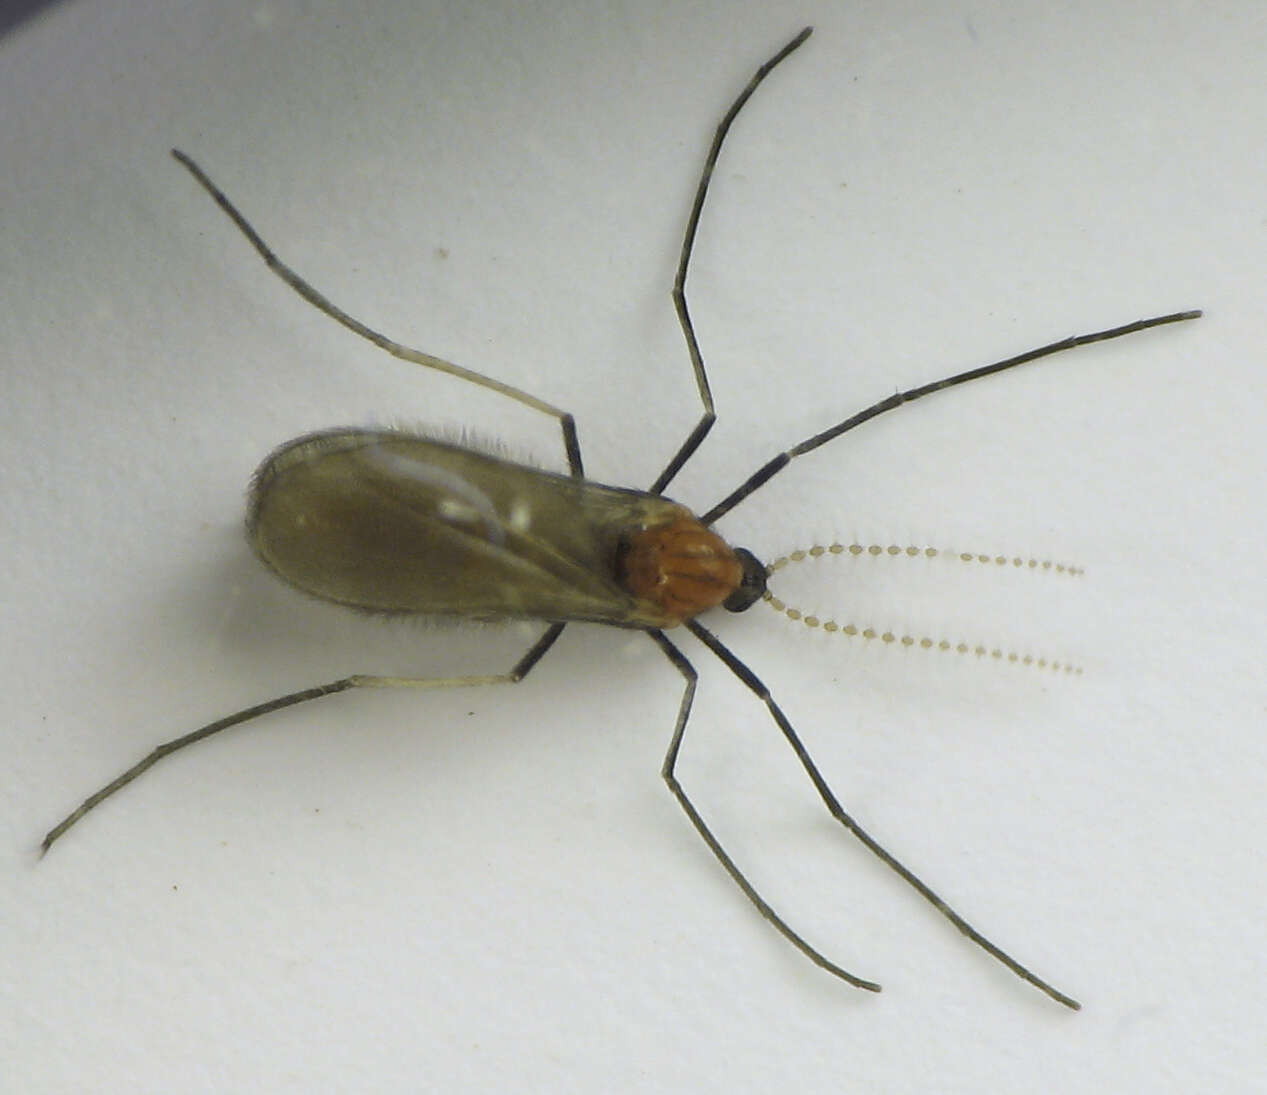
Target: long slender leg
{"points": [[707, 419], [517, 673], [404, 353], [837, 811], [668, 771], [771, 468]]}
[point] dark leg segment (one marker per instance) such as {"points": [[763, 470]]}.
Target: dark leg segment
{"points": [[771, 468], [668, 771], [707, 419], [516, 674], [837, 811]]}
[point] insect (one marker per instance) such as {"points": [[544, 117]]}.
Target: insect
{"points": [[392, 522]]}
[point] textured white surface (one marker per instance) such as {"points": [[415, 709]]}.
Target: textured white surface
{"points": [[494, 892]]}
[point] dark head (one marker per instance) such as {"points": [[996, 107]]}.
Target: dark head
{"points": [[752, 587]]}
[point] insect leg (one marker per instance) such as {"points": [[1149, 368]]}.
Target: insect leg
{"points": [[516, 674], [707, 419], [668, 771], [404, 353], [772, 467], [837, 811]]}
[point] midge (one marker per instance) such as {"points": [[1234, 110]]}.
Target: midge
{"points": [[392, 522]]}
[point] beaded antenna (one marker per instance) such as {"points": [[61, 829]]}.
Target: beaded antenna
{"points": [[874, 632]]}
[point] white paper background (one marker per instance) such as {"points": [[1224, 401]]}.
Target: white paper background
{"points": [[493, 891]]}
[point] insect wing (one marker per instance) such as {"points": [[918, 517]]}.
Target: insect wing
{"points": [[393, 522]]}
